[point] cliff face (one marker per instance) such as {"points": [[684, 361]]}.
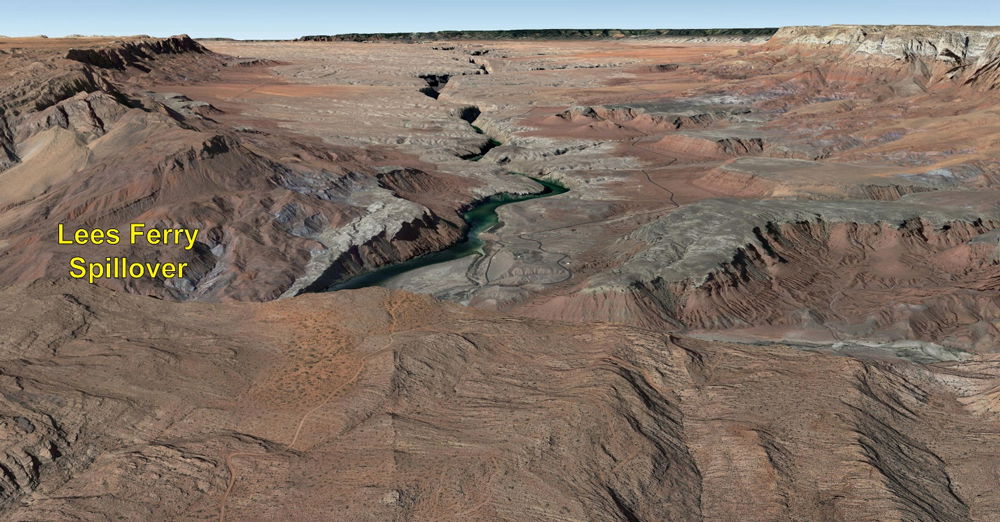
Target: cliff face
{"points": [[896, 41], [86, 141], [134, 53], [987, 72], [968, 54]]}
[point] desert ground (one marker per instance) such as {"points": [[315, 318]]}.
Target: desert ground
{"points": [[723, 277]]}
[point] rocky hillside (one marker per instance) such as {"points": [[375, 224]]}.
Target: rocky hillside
{"points": [[968, 54], [720, 265], [88, 138], [391, 406], [897, 41]]}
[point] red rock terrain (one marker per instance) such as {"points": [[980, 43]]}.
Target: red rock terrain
{"points": [[772, 290], [374, 405], [87, 144]]}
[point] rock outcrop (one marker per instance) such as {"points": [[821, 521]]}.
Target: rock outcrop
{"points": [[378, 405], [728, 264], [931, 53], [136, 53], [85, 140], [956, 44]]}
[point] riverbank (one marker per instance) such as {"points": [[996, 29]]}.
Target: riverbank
{"points": [[479, 218]]}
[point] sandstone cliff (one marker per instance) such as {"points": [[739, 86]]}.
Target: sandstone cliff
{"points": [[932, 53]]}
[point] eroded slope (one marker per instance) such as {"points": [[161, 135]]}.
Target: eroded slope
{"points": [[378, 405]]}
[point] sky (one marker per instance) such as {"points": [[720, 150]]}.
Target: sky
{"points": [[293, 18]]}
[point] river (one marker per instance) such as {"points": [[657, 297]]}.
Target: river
{"points": [[481, 217]]}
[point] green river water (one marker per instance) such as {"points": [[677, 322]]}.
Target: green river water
{"points": [[481, 217]]}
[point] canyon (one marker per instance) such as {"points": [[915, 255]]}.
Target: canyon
{"points": [[763, 281]]}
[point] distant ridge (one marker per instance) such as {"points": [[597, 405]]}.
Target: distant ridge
{"points": [[544, 34]]}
